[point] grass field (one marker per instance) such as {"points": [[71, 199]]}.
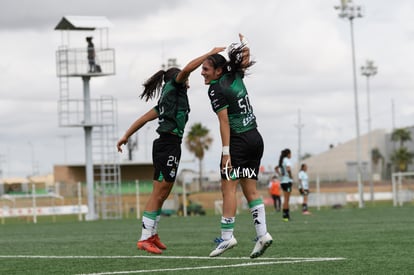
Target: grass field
{"points": [[373, 240]]}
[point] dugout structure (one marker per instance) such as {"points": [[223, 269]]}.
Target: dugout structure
{"points": [[97, 116]]}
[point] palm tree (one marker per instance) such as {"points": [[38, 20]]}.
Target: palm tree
{"points": [[376, 156], [402, 158], [401, 135], [197, 142]]}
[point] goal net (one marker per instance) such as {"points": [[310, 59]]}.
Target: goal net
{"points": [[402, 188]]}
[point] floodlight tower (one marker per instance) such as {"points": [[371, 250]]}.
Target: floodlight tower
{"points": [[369, 70], [300, 125], [98, 117], [350, 11]]}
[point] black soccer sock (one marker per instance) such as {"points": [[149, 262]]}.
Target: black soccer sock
{"points": [[304, 207], [286, 213]]}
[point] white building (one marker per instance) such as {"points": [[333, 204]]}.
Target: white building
{"points": [[339, 163]]}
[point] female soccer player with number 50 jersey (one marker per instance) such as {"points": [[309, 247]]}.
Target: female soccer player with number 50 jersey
{"points": [[242, 144]]}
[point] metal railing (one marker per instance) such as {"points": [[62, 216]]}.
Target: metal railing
{"points": [[74, 62]]}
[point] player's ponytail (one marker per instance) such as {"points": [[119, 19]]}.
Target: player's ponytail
{"points": [[283, 154], [153, 85], [235, 63]]}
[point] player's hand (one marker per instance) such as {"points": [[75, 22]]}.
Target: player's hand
{"points": [[225, 162], [122, 141], [226, 166]]}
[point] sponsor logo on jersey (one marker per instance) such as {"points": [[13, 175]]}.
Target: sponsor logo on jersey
{"points": [[233, 173]]}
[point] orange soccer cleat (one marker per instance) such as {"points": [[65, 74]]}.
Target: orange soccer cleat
{"points": [[155, 239], [148, 246]]}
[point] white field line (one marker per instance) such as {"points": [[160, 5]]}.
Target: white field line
{"points": [[161, 257], [215, 266], [255, 262]]}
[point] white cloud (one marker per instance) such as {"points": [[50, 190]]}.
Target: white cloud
{"points": [[303, 59]]}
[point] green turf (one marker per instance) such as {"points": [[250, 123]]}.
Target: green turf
{"points": [[373, 240], [145, 187]]}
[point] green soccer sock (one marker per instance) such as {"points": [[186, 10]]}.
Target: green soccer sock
{"points": [[227, 227], [157, 221], [258, 212], [148, 224]]}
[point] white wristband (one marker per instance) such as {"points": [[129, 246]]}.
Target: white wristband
{"points": [[226, 150]]}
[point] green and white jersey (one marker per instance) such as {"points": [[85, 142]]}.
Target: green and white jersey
{"points": [[229, 92], [286, 162], [173, 108], [303, 180]]}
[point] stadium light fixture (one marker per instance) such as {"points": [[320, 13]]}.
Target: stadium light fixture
{"points": [[348, 10], [369, 70]]}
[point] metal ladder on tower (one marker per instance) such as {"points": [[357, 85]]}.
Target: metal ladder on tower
{"points": [[107, 169], [62, 67]]}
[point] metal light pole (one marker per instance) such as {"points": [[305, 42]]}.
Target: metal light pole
{"points": [[299, 126], [2, 159], [369, 70], [64, 137], [92, 215], [34, 165], [350, 11]]}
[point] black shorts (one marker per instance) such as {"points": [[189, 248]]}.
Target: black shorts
{"points": [[166, 154], [304, 192], [286, 186], [246, 151]]}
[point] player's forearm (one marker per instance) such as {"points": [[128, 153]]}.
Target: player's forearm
{"points": [[224, 128], [148, 116], [195, 63]]}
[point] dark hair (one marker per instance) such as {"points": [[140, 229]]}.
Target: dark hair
{"points": [[218, 61], [302, 166], [283, 154], [235, 63], [153, 84]]}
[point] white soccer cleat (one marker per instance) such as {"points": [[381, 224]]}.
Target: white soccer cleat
{"points": [[223, 245], [262, 244]]}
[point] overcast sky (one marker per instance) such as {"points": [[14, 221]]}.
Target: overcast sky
{"points": [[303, 54]]}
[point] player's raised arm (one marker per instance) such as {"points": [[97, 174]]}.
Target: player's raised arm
{"points": [[195, 63]]}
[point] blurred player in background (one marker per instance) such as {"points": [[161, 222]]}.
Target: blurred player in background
{"points": [[274, 191], [304, 187], [285, 165]]}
